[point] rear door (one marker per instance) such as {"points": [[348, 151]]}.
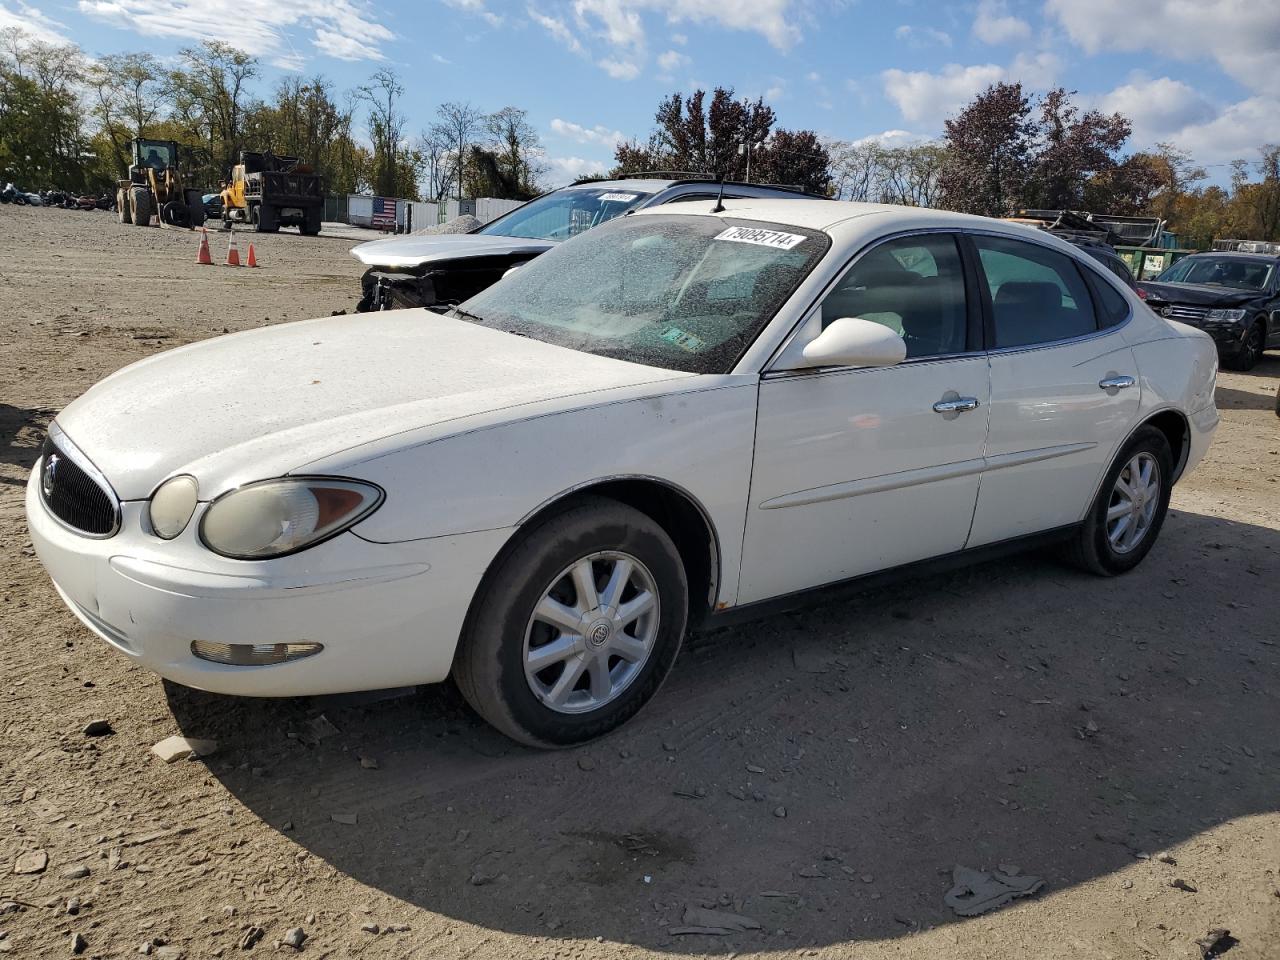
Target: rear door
{"points": [[1064, 387]]}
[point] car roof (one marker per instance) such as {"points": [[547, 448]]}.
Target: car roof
{"points": [[824, 214], [635, 186], [1236, 255]]}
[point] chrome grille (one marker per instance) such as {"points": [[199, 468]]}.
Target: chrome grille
{"points": [[74, 491], [1178, 311]]}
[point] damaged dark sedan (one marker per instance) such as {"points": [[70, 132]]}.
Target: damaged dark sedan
{"points": [[1233, 297], [441, 269]]}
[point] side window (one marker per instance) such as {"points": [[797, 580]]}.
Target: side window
{"points": [[1113, 308], [914, 286], [1037, 294]]}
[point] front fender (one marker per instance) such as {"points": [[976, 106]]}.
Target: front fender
{"points": [[699, 441]]}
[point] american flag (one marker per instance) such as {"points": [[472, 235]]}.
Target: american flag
{"points": [[384, 213]]}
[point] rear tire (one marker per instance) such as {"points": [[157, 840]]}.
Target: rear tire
{"points": [[601, 668], [1121, 527], [311, 222], [267, 220], [122, 206]]}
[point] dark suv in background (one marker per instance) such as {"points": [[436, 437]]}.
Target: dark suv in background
{"points": [[1233, 297]]}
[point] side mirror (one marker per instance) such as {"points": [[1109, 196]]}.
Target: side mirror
{"points": [[854, 342]]}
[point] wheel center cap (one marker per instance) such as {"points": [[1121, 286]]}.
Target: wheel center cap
{"points": [[600, 632]]}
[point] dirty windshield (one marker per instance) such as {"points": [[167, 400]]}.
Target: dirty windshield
{"points": [[565, 213], [680, 292]]}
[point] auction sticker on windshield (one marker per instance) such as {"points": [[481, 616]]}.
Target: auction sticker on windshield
{"points": [[765, 238], [618, 197]]}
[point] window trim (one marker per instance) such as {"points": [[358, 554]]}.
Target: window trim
{"points": [[974, 329]]}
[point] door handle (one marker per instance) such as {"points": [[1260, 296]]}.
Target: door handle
{"points": [[1116, 383], [958, 405]]}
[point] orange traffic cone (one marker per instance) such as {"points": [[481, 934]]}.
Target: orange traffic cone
{"points": [[233, 252], [253, 261], [202, 255]]}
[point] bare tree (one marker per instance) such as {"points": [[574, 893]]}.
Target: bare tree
{"points": [[438, 163], [386, 127], [458, 124]]}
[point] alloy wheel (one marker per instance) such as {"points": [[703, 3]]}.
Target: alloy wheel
{"points": [[1135, 499], [591, 632]]}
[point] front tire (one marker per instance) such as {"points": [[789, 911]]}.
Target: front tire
{"points": [[576, 626], [1126, 517], [1250, 352]]}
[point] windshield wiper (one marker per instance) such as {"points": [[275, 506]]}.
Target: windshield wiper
{"points": [[469, 315]]}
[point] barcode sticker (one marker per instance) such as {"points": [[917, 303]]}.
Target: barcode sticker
{"points": [[618, 197], [765, 238]]}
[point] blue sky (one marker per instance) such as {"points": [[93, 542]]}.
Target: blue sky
{"points": [[1198, 72]]}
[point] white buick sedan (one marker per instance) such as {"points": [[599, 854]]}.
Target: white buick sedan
{"points": [[682, 412]]}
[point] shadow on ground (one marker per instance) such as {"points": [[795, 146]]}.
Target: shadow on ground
{"points": [[21, 433], [1015, 712]]}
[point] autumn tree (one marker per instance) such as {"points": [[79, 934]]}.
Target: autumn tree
{"points": [[129, 97], [1070, 149], [42, 132], [394, 173], [990, 147]]}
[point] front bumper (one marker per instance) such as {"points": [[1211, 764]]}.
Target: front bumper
{"points": [[388, 615]]}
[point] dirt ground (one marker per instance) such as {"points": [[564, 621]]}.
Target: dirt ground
{"points": [[819, 772]]}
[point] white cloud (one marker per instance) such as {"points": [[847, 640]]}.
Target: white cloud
{"points": [[1037, 71], [33, 22], [928, 98], [919, 37], [599, 134], [1236, 130], [775, 93], [619, 69], [478, 8], [1243, 36], [340, 28], [567, 169], [994, 25], [1158, 108], [557, 28], [671, 61], [924, 97], [890, 138], [439, 59], [615, 35], [1164, 109]]}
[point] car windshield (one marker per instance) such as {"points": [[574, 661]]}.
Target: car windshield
{"points": [[1220, 272], [679, 292], [565, 213]]}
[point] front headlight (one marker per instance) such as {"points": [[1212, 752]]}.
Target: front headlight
{"points": [[275, 517], [1225, 314]]}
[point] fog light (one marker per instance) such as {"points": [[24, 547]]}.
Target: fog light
{"points": [[253, 654]]}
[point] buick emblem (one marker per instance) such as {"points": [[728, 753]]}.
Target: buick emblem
{"points": [[600, 634], [50, 466], [1166, 311]]}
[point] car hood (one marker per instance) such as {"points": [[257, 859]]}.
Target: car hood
{"points": [[414, 251], [262, 403], [1201, 295]]}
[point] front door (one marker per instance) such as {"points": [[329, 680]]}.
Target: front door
{"points": [[860, 469], [1064, 389]]}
